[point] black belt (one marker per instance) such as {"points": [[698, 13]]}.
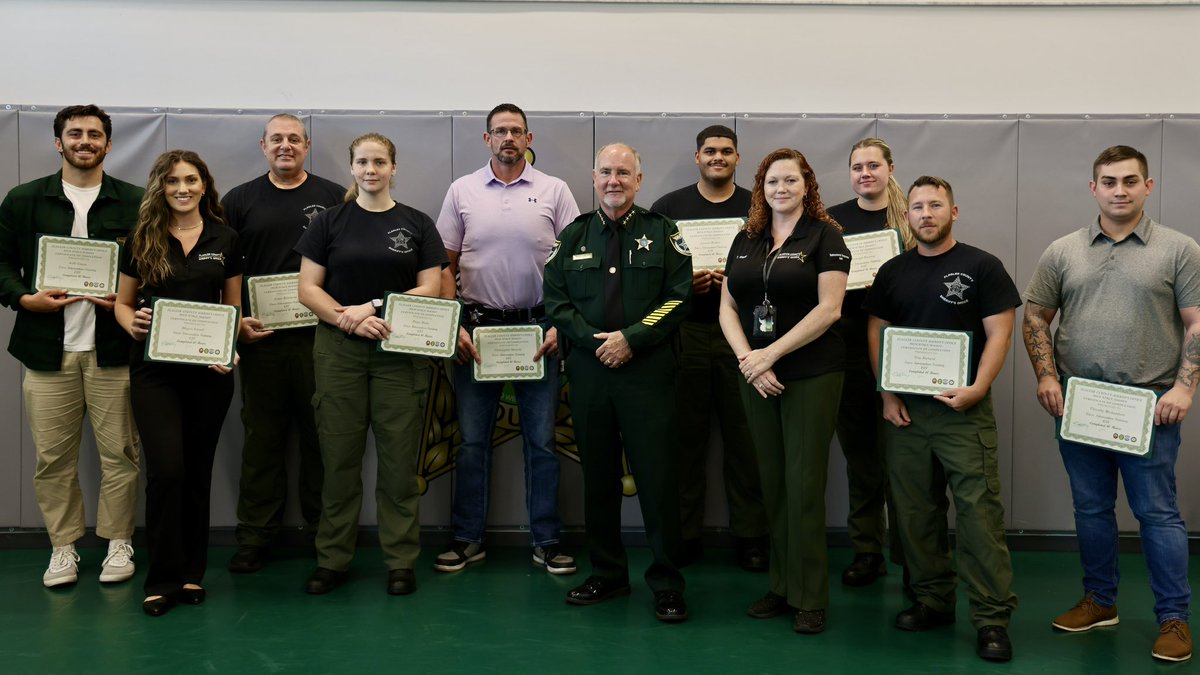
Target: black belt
{"points": [[481, 314]]}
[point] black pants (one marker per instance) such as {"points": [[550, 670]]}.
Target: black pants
{"points": [[179, 410]]}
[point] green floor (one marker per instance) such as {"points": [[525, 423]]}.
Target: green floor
{"points": [[506, 616]]}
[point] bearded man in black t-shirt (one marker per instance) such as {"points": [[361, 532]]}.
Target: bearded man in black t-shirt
{"points": [[946, 285]]}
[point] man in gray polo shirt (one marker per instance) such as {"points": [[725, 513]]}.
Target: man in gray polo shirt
{"points": [[1128, 291]]}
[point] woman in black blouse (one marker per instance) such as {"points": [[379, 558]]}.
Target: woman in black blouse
{"points": [[785, 280], [180, 249], [352, 256]]}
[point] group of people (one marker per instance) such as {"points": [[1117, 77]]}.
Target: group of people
{"points": [[771, 346]]}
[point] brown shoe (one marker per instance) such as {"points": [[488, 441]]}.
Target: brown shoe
{"points": [[1086, 615], [1174, 641]]}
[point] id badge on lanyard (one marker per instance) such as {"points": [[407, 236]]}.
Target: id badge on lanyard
{"points": [[764, 314]]}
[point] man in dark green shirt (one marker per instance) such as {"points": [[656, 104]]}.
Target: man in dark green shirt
{"points": [[617, 285], [75, 355]]}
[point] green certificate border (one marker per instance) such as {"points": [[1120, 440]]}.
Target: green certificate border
{"points": [[539, 370], [897, 249], [688, 223], [231, 332], [1132, 447], [45, 240], [253, 281], [885, 340], [393, 300]]}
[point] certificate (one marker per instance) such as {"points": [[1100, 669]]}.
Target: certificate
{"points": [[421, 325], [507, 353], [709, 240], [1109, 416], [275, 301], [867, 253], [920, 361], [201, 333], [81, 266]]}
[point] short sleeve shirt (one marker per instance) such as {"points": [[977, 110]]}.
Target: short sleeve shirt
{"points": [[1118, 302], [955, 290], [198, 276], [367, 254], [791, 275]]}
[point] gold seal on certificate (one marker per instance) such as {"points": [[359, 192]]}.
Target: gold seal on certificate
{"points": [[275, 301], [921, 361], [709, 240], [507, 353], [200, 333], [1110, 416], [81, 266], [868, 252], [421, 325]]}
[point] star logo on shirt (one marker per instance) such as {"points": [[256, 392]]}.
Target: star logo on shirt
{"points": [[956, 288], [400, 239], [644, 243]]}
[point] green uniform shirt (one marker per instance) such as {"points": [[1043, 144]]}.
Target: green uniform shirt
{"points": [[41, 207], [656, 279]]}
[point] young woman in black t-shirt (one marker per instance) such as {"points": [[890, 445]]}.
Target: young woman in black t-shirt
{"points": [[879, 204], [352, 256], [180, 249], [785, 278]]}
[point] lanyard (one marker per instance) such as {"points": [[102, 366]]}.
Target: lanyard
{"points": [[766, 271]]}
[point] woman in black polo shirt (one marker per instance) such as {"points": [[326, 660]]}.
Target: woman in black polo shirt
{"points": [[180, 249], [352, 255], [785, 280]]}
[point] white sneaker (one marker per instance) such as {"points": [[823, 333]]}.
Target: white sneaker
{"points": [[118, 564], [64, 567]]}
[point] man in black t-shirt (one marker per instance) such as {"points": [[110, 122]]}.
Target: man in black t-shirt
{"points": [[945, 285], [270, 213], [707, 383]]}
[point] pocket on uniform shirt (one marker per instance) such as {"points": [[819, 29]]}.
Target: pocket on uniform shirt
{"points": [[644, 274], [583, 278]]}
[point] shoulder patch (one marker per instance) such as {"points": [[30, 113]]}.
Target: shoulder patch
{"points": [[554, 251], [679, 244]]}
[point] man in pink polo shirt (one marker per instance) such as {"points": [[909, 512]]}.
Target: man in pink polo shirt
{"points": [[499, 225]]}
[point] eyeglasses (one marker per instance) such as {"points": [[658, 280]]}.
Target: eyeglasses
{"points": [[501, 132]]}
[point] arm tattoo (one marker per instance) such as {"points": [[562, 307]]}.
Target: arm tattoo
{"points": [[1038, 343], [1189, 365]]}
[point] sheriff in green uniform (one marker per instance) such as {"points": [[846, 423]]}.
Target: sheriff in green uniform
{"points": [[617, 285]]}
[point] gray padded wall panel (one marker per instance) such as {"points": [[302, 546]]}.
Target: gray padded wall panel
{"points": [[985, 193], [228, 143], [1055, 165], [1176, 185], [667, 145], [13, 456]]}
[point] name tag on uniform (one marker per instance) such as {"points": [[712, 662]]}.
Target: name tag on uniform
{"points": [[582, 256]]}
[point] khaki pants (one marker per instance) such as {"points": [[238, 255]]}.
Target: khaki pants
{"points": [[55, 402]]}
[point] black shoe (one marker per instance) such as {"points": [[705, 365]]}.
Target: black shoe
{"points": [[158, 606], [248, 560], [670, 607], [401, 582], [597, 589], [921, 617], [866, 568], [191, 596], [752, 554], [993, 644], [324, 580], [768, 606], [809, 621]]}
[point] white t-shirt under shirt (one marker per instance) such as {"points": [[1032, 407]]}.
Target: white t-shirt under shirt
{"points": [[79, 318]]}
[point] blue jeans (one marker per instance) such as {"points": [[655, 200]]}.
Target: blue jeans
{"points": [[1150, 488], [537, 406]]}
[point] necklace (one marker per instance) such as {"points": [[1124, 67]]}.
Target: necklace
{"points": [[185, 229]]}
